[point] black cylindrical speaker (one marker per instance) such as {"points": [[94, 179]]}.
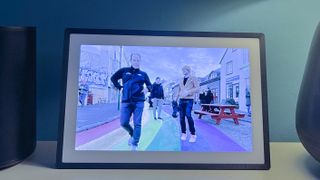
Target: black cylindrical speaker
{"points": [[308, 112], [17, 94]]}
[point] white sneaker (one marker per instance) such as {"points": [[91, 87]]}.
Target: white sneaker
{"points": [[134, 148], [130, 141], [183, 136], [193, 138]]}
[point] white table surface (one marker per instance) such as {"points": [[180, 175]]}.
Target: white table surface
{"points": [[288, 161]]}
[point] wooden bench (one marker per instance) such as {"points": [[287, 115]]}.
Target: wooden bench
{"points": [[201, 113], [240, 115], [219, 116]]}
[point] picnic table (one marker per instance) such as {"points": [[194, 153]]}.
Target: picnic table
{"points": [[219, 112]]}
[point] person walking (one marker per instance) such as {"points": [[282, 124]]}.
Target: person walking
{"points": [[157, 97], [83, 93], [248, 102], [188, 87], [209, 97], [133, 97]]}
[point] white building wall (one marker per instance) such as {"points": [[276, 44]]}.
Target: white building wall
{"points": [[240, 74], [244, 79], [223, 77]]}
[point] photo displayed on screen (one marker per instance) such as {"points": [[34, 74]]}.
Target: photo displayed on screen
{"points": [[150, 98]]}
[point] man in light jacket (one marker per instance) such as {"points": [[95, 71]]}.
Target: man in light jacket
{"points": [[188, 87]]}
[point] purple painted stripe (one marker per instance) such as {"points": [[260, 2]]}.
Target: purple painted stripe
{"points": [[211, 139]]}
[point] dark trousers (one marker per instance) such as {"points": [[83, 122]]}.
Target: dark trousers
{"points": [[127, 109], [175, 109], [185, 106]]}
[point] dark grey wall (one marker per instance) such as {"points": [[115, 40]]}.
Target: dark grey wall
{"points": [[287, 24]]}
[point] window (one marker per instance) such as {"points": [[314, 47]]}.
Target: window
{"points": [[229, 91], [229, 67], [245, 57], [237, 90]]}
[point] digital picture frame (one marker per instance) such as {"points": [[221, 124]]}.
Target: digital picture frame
{"points": [[136, 99]]}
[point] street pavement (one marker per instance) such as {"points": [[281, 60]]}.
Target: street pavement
{"points": [[163, 135], [91, 116]]}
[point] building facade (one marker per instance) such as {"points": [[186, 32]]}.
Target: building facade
{"points": [[235, 76], [97, 65]]}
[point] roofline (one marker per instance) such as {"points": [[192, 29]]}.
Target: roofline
{"points": [[223, 55]]}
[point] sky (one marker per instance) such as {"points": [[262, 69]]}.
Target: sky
{"points": [[167, 62], [163, 62]]}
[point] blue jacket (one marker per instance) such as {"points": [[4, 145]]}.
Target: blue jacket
{"points": [[133, 81], [157, 91]]}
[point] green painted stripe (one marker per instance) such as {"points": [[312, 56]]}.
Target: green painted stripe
{"points": [[168, 137], [149, 130]]}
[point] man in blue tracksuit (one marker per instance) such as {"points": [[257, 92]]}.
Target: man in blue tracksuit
{"points": [[133, 97]]}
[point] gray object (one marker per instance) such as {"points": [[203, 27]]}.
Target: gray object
{"points": [[308, 106]]}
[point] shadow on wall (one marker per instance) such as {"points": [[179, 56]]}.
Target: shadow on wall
{"points": [[125, 14], [216, 8], [206, 12], [175, 15], [52, 17]]}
